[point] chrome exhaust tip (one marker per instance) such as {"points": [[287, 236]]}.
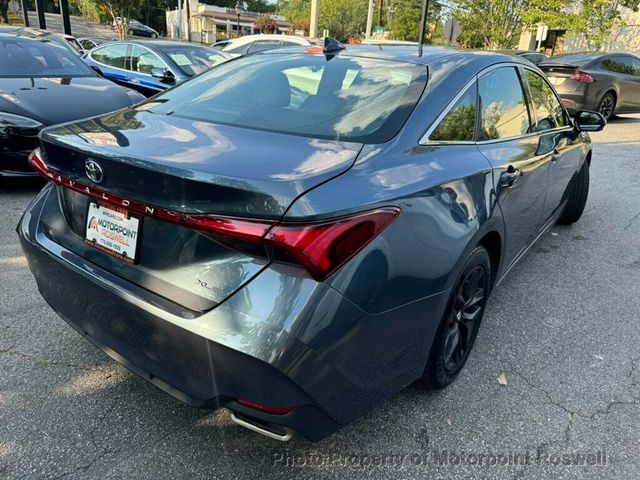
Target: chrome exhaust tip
{"points": [[257, 427]]}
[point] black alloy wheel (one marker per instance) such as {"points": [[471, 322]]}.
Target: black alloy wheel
{"points": [[461, 322], [607, 105]]}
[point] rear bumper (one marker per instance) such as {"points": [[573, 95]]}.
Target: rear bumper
{"points": [[310, 349]]}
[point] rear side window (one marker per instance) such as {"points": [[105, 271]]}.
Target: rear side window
{"points": [[548, 111], [503, 109], [113, 55], [344, 98], [459, 123]]}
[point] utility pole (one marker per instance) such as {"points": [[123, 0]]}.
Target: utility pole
{"points": [[369, 19], [379, 6], [64, 13], [25, 12], [187, 8], [313, 22], [42, 23], [180, 19]]}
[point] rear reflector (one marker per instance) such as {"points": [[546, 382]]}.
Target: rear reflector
{"points": [[265, 409], [583, 77], [320, 247]]}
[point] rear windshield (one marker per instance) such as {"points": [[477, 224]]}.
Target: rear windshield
{"points": [[344, 98], [193, 60], [30, 58]]}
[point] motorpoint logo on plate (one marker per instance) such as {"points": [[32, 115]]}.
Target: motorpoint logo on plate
{"points": [[93, 224]]}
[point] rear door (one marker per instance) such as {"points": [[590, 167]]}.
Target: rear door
{"points": [[520, 172], [628, 83], [557, 141], [112, 60]]}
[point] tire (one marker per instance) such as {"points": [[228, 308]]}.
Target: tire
{"points": [[153, 35], [607, 106], [577, 197], [448, 356], [129, 32]]}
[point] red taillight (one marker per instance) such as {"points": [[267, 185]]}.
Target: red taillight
{"points": [[324, 247], [314, 50], [579, 76], [568, 102], [263, 408], [320, 247]]}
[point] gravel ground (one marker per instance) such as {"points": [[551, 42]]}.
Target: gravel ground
{"points": [[562, 328]]}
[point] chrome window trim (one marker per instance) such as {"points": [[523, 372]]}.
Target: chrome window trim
{"points": [[130, 45], [424, 140]]}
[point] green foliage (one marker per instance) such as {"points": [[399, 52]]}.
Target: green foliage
{"points": [[297, 13], [593, 18], [405, 21], [489, 23], [343, 18]]}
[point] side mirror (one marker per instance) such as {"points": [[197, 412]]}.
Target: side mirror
{"points": [[590, 121], [165, 76]]}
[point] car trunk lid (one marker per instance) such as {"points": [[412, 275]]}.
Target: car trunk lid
{"points": [[186, 168]]}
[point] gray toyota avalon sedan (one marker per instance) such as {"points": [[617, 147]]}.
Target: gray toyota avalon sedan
{"points": [[299, 234]]}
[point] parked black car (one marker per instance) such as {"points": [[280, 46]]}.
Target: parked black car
{"points": [[608, 83], [297, 235], [42, 83], [134, 27]]}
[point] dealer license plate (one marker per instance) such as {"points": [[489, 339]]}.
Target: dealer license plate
{"points": [[113, 231]]}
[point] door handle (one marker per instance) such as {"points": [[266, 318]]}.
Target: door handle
{"points": [[508, 178]]}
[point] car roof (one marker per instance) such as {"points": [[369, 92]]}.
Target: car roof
{"points": [[409, 53]]}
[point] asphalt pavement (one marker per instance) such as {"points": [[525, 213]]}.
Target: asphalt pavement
{"points": [[563, 330]]}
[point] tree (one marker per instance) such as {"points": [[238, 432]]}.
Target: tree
{"points": [[343, 18], [4, 11], [595, 19], [489, 23], [297, 13], [266, 24], [405, 20]]}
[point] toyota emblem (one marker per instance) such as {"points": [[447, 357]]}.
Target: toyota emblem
{"points": [[94, 171]]}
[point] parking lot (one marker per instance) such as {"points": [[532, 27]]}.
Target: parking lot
{"points": [[562, 328]]}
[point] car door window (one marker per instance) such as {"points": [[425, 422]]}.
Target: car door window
{"points": [[143, 60], [459, 124], [636, 67], [619, 65], [547, 110], [113, 55], [503, 108]]}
